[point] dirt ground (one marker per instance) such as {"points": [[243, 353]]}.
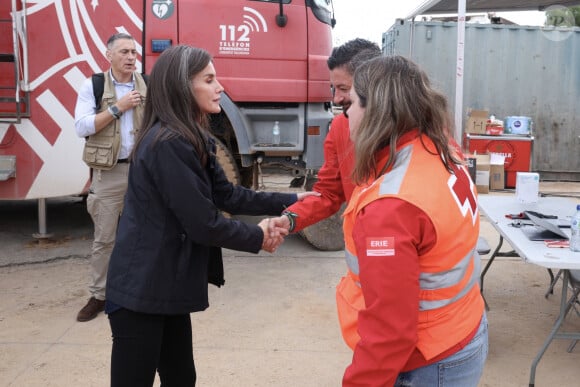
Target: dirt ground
{"points": [[272, 324]]}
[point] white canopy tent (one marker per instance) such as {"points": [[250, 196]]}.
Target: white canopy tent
{"points": [[452, 6], [461, 7]]}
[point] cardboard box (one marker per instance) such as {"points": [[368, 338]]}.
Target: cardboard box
{"points": [[477, 121], [496, 171], [482, 173], [527, 187]]}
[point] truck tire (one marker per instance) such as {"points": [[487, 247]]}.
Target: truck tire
{"points": [[227, 162], [325, 235]]}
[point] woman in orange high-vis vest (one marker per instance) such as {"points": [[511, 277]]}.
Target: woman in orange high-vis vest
{"points": [[410, 303]]}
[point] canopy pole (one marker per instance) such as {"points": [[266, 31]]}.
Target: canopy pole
{"points": [[461, 8]]}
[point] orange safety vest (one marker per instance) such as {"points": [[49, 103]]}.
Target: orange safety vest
{"points": [[450, 304]]}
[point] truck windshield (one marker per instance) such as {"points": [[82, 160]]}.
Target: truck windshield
{"points": [[322, 10], [275, 1]]}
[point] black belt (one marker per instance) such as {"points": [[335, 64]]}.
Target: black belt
{"points": [[122, 161]]}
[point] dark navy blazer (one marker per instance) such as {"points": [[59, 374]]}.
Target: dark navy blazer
{"points": [[172, 228]]}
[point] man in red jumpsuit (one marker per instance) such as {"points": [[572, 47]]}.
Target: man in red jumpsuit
{"points": [[334, 182]]}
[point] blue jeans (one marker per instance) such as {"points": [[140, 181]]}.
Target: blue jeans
{"points": [[462, 369]]}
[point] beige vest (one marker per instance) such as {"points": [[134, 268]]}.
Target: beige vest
{"points": [[102, 149]]}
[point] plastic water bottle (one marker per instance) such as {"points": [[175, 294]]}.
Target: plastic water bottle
{"points": [[276, 133], [575, 230]]}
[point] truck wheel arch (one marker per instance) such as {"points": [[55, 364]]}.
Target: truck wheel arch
{"points": [[227, 161], [236, 119]]}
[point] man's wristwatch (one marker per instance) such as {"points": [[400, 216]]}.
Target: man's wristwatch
{"points": [[115, 112]]}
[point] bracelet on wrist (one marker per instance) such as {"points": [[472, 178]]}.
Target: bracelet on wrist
{"points": [[292, 218]]}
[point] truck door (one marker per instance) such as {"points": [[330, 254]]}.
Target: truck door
{"points": [[59, 44], [256, 60]]}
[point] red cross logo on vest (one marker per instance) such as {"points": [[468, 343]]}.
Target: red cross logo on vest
{"points": [[462, 189]]}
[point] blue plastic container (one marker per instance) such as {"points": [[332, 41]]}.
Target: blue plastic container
{"points": [[518, 125]]}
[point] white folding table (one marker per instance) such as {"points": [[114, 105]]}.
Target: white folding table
{"points": [[495, 208]]}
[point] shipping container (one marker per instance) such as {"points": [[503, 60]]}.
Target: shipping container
{"points": [[509, 70]]}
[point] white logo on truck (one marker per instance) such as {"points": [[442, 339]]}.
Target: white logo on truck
{"points": [[162, 9], [235, 39]]}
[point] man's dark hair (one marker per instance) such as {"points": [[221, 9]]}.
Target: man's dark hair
{"points": [[361, 57], [120, 35], [342, 55]]}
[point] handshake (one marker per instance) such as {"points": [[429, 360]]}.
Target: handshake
{"points": [[275, 229]]}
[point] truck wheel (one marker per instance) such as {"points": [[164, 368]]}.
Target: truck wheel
{"points": [[327, 234], [227, 162]]}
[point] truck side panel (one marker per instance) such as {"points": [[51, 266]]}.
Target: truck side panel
{"points": [[63, 44]]}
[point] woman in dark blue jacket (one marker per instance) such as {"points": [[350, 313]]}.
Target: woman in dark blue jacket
{"points": [[172, 229]]}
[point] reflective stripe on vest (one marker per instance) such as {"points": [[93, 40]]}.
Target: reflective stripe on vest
{"points": [[352, 262], [450, 278], [429, 282]]}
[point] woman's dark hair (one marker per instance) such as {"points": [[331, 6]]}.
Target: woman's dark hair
{"points": [[170, 99]]}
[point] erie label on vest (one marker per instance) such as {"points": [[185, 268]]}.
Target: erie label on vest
{"points": [[380, 247]]}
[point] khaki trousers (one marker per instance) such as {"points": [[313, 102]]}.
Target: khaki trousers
{"points": [[104, 204]]}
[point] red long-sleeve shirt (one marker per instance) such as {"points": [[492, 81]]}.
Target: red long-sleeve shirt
{"points": [[390, 285], [334, 181], [388, 325]]}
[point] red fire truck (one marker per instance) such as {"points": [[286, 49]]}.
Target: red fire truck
{"points": [[270, 56]]}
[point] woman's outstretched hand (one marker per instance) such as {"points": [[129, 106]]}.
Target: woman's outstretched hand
{"points": [[303, 195], [274, 230]]}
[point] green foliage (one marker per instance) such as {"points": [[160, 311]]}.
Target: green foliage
{"points": [[563, 17]]}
